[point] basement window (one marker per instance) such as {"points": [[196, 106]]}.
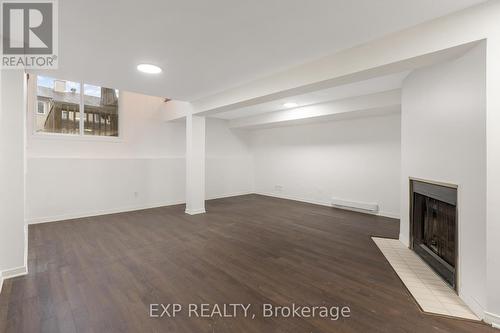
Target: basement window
{"points": [[100, 111], [59, 106]]}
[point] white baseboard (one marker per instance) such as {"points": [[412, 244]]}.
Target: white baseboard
{"points": [[195, 211], [492, 319], [63, 217], [473, 304], [326, 203], [228, 195], [12, 273], [389, 214], [26, 246], [289, 197]]}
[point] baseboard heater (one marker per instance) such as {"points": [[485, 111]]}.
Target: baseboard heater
{"points": [[356, 206]]}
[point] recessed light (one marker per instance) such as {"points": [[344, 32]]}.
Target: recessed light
{"points": [[290, 105], [148, 68]]}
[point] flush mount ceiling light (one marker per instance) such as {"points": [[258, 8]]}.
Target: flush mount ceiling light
{"points": [[290, 105], [148, 68]]}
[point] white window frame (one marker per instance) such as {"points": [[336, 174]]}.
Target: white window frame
{"points": [[33, 112]]}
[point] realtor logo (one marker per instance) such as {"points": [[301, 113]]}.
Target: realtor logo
{"points": [[29, 32]]}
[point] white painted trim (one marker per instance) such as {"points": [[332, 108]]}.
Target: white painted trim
{"points": [[195, 211], [391, 215], [290, 197], [473, 304], [492, 318], [327, 204], [26, 244], [69, 157], [74, 137], [10, 273], [63, 217], [229, 195], [14, 272]]}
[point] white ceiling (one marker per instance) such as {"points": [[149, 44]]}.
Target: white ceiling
{"points": [[209, 46], [360, 88]]}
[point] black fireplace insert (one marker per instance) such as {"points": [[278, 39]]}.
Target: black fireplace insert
{"points": [[433, 227]]}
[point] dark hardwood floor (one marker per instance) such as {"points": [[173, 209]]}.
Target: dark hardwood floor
{"points": [[100, 274]]}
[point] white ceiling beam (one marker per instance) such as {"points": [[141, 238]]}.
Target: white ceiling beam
{"points": [[366, 87], [419, 46], [248, 95], [217, 104], [373, 104]]}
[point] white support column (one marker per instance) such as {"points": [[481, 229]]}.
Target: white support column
{"points": [[195, 164], [12, 165]]}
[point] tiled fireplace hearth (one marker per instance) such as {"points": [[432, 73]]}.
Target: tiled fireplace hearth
{"points": [[428, 289], [428, 267]]}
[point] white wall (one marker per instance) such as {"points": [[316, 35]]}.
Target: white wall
{"points": [[355, 159], [62, 188], [12, 110], [71, 177], [444, 139], [229, 161]]}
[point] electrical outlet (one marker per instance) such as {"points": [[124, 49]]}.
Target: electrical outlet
{"points": [[136, 194], [278, 188]]}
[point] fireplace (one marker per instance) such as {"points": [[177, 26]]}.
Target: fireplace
{"points": [[433, 227]]}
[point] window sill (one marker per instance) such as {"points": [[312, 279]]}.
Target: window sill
{"points": [[73, 137]]}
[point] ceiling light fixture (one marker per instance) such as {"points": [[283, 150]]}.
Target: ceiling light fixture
{"points": [[290, 105], [148, 68]]}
